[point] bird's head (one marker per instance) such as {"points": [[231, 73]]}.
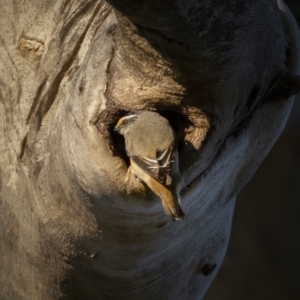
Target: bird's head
{"points": [[125, 123]]}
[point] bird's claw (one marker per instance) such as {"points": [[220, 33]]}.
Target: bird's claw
{"points": [[130, 173]]}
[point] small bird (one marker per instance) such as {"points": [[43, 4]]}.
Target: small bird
{"points": [[151, 145]]}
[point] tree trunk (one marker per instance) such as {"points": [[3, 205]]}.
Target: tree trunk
{"points": [[73, 225]]}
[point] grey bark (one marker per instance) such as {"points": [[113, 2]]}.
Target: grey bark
{"points": [[73, 225], [262, 260]]}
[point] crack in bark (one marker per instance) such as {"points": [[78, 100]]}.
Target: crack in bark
{"points": [[144, 30], [36, 100], [23, 147]]}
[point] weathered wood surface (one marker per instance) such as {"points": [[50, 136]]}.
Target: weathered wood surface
{"points": [[262, 259], [72, 226]]}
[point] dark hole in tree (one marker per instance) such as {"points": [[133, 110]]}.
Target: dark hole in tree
{"points": [[179, 124], [119, 141]]}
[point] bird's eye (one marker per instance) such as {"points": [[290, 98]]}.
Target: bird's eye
{"points": [[125, 122]]}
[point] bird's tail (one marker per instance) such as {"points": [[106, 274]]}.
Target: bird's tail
{"points": [[168, 194], [171, 204], [174, 211]]}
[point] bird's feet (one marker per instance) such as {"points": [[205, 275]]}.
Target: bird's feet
{"points": [[130, 173]]}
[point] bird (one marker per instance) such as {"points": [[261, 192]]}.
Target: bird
{"points": [[151, 145]]}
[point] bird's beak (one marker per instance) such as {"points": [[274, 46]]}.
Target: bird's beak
{"points": [[116, 129]]}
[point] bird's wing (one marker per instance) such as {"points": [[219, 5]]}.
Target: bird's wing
{"points": [[158, 168]]}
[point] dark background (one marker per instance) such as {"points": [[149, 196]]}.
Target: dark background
{"points": [[263, 257]]}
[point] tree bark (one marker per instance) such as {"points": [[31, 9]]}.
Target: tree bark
{"points": [[73, 225]]}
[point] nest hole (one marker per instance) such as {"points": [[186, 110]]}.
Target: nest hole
{"points": [[192, 128], [118, 141], [181, 125]]}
